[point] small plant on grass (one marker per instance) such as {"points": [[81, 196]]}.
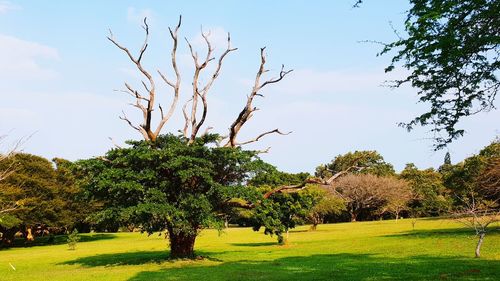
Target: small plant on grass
{"points": [[73, 239]]}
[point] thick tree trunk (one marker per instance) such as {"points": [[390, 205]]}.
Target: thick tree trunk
{"points": [[479, 243], [181, 245]]}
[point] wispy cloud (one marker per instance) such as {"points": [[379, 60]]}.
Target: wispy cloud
{"points": [[6, 6], [20, 59]]}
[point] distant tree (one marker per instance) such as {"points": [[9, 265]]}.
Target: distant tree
{"points": [[452, 53], [78, 208], [73, 239], [489, 179], [397, 196], [359, 162], [34, 183], [430, 196], [367, 192], [467, 178], [326, 204], [282, 211]]}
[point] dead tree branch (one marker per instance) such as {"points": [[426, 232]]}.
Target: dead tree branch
{"points": [[146, 127], [249, 109]]}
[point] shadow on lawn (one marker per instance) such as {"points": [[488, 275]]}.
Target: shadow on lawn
{"points": [[442, 233], [258, 244], [132, 258], [59, 239], [335, 267]]}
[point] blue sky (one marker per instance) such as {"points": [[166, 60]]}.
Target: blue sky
{"points": [[58, 73]]}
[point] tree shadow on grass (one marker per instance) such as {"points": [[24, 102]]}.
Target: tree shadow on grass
{"points": [[137, 258], [258, 244], [132, 258], [442, 233], [335, 267], [59, 239]]}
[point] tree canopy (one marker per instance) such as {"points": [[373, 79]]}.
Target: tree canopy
{"points": [[357, 162], [452, 52]]}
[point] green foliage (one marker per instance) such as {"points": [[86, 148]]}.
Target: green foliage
{"points": [[168, 185], [73, 239], [34, 183], [267, 175], [431, 198], [282, 212], [452, 52], [8, 221], [463, 178], [326, 205], [365, 162]]}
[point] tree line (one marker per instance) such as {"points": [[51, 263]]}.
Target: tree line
{"points": [[196, 187]]}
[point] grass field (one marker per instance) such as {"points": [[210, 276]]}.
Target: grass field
{"points": [[382, 250]]}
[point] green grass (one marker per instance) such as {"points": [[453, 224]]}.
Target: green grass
{"points": [[383, 250]]}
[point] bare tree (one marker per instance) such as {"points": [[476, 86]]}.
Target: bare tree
{"points": [[370, 192], [478, 215], [397, 195], [196, 108], [7, 167]]}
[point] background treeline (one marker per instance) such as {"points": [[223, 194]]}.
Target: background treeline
{"points": [[50, 197]]}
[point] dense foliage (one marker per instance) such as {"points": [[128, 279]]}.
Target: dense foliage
{"points": [[452, 50], [364, 162], [169, 185], [45, 197]]}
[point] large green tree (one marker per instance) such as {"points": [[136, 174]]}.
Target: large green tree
{"points": [[169, 185], [184, 183], [452, 53]]}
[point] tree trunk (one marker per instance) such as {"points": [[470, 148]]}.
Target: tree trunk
{"points": [[314, 226], [354, 215], [397, 216], [181, 245], [479, 243], [29, 235]]}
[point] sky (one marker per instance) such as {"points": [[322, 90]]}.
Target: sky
{"points": [[59, 77]]}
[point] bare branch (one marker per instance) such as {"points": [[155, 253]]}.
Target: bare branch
{"points": [[114, 143], [277, 131], [248, 109]]}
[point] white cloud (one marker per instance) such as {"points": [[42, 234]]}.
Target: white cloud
{"points": [[20, 59], [137, 15], [6, 6]]}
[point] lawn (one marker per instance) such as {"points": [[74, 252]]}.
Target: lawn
{"points": [[382, 250]]}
